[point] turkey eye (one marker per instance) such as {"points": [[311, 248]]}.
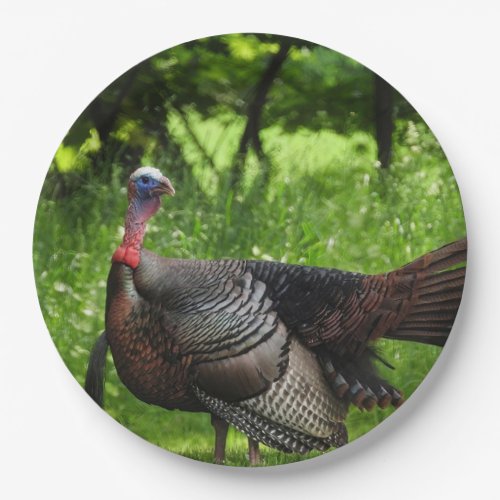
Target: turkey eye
{"points": [[145, 180]]}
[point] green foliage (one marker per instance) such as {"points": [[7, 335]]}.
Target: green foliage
{"points": [[325, 204], [316, 89]]}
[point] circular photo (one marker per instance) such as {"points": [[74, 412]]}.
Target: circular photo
{"points": [[249, 249]]}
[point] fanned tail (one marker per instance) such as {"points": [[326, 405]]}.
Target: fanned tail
{"points": [[94, 380], [435, 294]]}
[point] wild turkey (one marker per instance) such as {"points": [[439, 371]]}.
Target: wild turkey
{"points": [[279, 351]]}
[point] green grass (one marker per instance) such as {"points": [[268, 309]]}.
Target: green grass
{"points": [[325, 205]]}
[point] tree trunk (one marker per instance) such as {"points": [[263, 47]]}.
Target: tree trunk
{"points": [[251, 135], [383, 120]]}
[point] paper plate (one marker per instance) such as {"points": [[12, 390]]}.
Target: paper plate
{"points": [[313, 257]]}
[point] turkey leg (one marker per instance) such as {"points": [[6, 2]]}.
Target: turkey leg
{"points": [[253, 452], [221, 427]]}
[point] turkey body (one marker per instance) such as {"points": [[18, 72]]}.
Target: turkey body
{"points": [[191, 335], [279, 351]]}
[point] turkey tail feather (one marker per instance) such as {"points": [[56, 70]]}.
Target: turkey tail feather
{"points": [[436, 295], [94, 380]]}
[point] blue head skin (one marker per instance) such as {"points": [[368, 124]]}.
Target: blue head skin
{"points": [[148, 182]]}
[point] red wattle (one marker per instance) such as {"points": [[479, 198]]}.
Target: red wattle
{"points": [[129, 256]]}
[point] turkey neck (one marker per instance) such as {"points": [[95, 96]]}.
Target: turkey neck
{"points": [[138, 213]]}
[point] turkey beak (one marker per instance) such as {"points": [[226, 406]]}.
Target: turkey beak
{"points": [[165, 187]]}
